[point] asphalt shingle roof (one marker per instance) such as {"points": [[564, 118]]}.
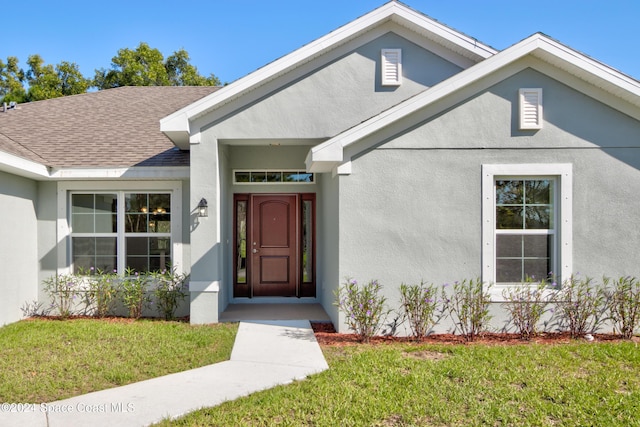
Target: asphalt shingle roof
{"points": [[109, 128]]}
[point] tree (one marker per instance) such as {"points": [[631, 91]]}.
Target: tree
{"points": [[46, 82], [11, 81], [182, 73], [145, 66]]}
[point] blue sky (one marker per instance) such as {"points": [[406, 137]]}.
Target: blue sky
{"points": [[232, 38]]}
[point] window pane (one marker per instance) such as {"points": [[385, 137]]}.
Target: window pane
{"points": [[298, 177], [137, 246], [139, 264], [537, 246], [94, 252], [159, 223], [274, 176], [148, 253], [258, 177], [82, 203], [537, 269], [538, 192], [106, 223], [241, 241], [538, 217], [106, 246], [159, 203], [82, 223], [84, 246], [521, 256], [136, 222], [508, 245], [136, 203], [93, 213], [509, 192], [307, 241], [159, 246], [509, 217], [106, 203], [509, 270], [243, 176], [83, 264]]}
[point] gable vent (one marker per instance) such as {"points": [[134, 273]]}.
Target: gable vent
{"points": [[391, 67], [531, 108]]}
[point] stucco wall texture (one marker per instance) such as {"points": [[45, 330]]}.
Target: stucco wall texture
{"points": [[18, 252]]}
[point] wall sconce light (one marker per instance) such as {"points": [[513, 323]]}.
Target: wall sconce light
{"points": [[203, 208]]}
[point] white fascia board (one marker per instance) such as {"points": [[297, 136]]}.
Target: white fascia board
{"points": [[587, 67], [469, 44], [22, 167], [176, 128], [393, 10], [534, 43], [26, 168], [166, 172]]}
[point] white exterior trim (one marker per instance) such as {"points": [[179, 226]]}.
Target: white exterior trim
{"points": [[564, 174], [26, 168], [204, 286], [530, 100], [324, 157], [391, 67], [63, 202], [162, 172], [177, 125]]}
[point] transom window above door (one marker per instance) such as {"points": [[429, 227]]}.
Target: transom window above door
{"points": [[261, 176]]}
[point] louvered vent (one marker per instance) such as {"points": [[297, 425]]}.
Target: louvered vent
{"points": [[531, 108], [391, 67]]}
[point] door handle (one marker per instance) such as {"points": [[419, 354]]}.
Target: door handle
{"points": [[255, 251]]}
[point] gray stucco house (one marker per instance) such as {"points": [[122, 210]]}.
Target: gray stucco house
{"points": [[394, 148]]}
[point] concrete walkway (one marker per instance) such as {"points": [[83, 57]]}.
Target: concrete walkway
{"points": [[265, 354]]}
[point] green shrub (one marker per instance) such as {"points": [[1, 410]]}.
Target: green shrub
{"points": [[468, 307], [419, 303], [526, 304], [63, 290], [581, 305], [364, 307], [169, 291], [624, 304], [103, 292], [134, 292]]}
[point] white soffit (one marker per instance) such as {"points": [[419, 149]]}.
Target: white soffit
{"points": [[21, 167], [176, 125], [327, 155]]}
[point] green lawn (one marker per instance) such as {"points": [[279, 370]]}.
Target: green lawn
{"points": [[48, 360], [576, 384]]}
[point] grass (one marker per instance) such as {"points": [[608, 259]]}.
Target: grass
{"points": [[573, 384], [48, 360]]}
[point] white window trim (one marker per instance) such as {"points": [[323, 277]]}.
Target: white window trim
{"points": [[563, 172], [524, 103], [64, 203], [385, 64]]}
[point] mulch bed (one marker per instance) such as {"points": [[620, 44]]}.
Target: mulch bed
{"points": [[326, 335]]}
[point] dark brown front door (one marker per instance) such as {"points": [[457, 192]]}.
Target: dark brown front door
{"points": [[273, 244]]}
